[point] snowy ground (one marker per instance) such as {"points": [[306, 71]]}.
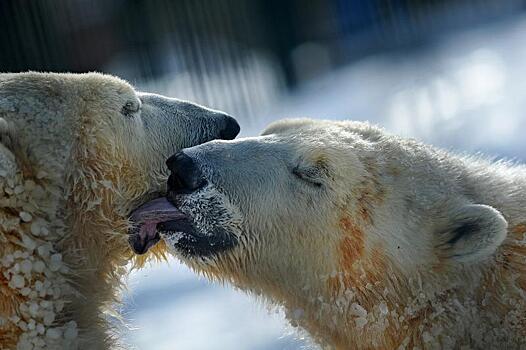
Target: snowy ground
{"points": [[171, 308], [466, 92]]}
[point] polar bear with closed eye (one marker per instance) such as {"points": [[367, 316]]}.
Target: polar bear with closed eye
{"points": [[368, 240], [78, 152]]}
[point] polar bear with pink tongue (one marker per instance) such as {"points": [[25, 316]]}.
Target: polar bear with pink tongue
{"points": [[368, 240], [78, 153]]}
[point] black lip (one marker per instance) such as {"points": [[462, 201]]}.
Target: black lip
{"points": [[141, 245], [194, 243]]}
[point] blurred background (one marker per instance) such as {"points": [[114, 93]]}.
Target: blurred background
{"points": [[447, 72]]}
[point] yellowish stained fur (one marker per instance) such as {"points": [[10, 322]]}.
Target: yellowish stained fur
{"points": [[71, 169], [355, 261]]}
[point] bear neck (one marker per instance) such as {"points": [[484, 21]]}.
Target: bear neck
{"points": [[381, 304], [96, 245], [378, 303]]}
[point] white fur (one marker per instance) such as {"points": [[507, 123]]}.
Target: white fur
{"points": [[373, 241], [77, 153]]}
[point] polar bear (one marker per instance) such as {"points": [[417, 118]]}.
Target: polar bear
{"points": [[77, 153], [368, 240]]}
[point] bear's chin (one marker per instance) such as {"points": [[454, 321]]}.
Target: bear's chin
{"points": [[187, 240]]}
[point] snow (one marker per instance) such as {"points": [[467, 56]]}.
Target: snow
{"points": [[171, 308], [466, 93]]}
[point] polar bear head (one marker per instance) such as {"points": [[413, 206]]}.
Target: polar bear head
{"points": [[95, 137], [312, 211], [77, 153], [317, 186]]}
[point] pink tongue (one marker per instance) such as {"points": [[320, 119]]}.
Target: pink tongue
{"points": [[147, 216]]}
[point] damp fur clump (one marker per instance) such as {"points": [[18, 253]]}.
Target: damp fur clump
{"points": [[369, 240], [74, 162], [33, 273]]}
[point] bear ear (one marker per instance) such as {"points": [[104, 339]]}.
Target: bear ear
{"points": [[471, 234]]}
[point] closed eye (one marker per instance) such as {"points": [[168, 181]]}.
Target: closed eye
{"points": [[308, 175], [130, 108]]}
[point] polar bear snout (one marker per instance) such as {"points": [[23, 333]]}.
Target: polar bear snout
{"points": [[185, 176], [231, 129], [210, 224]]}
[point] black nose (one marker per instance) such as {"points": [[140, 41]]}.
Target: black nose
{"points": [[185, 175], [230, 130]]}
